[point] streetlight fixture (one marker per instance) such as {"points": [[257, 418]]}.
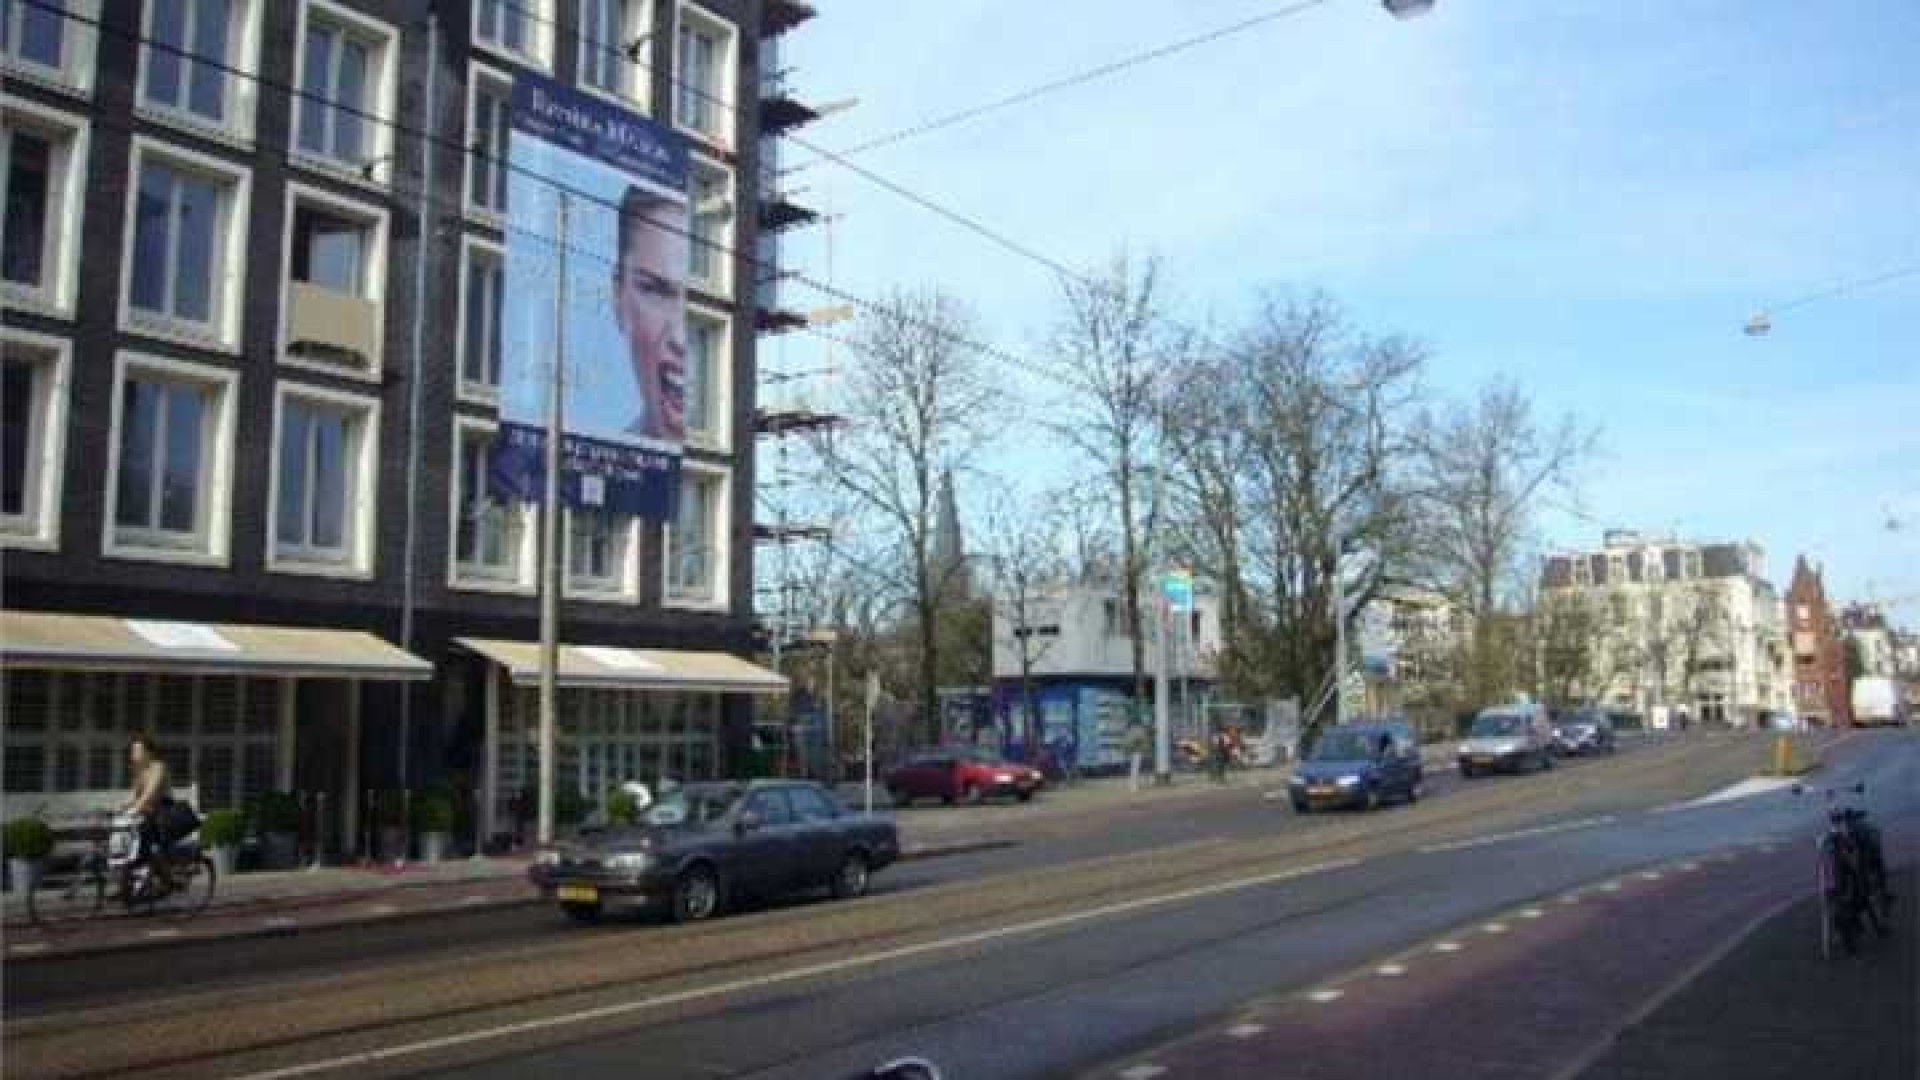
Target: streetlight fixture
{"points": [[1407, 9], [1759, 324]]}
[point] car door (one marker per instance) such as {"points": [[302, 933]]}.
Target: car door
{"points": [[763, 856], [819, 836]]}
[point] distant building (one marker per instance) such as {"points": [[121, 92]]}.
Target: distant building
{"points": [[1411, 641], [1866, 628], [1821, 693], [1672, 629]]}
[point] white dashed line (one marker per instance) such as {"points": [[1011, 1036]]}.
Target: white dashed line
{"points": [[1447, 946], [381, 909], [1611, 886], [1495, 928], [281, 922], [1569, 900], [1390, 971], [28, 950], [167, 933], [1531, 913], [1652, 875], [1143, 1072], [469, 900], [1544, 830], [1246, 1031], [1326, 996], [1689, 866]]}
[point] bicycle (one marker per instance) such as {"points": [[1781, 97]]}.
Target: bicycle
{"points": [[179, 882], [1851, 873]]}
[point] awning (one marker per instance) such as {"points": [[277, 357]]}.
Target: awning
{"points": [[49, 640], [606, 668]]}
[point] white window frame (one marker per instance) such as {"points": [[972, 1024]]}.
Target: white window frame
{"points": [[540, 26], [362, 495], [520, 580], [383, 43], [729, 64], [39, 528], [623, 586], [79, 42], [479, 76], [673, 597], [721, 284], [374, 288], [636, 82], [66, 208], [216, 455], [229, 273], [241, 84], [475, 392], [718, 438]]}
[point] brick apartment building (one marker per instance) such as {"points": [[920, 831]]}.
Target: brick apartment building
{"points": [[243, 459], [1821, 694]]}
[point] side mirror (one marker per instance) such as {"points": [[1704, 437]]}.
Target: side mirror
{"points": [[1799, 789], [747, 822], [1860, 788]]}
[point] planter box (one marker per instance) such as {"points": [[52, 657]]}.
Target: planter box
{"points": [[280, 851], [433, 846]]}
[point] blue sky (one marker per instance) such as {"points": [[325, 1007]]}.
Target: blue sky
{"points": [[1588, 196]]}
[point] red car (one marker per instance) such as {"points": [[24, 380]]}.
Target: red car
{"points": [[962, 774]]}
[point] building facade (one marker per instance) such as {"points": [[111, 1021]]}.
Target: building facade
{"points": [[254, 266], [1822, 693], [1675, 630]]}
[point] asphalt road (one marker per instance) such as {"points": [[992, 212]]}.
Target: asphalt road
{"points": [[1067, 951]]}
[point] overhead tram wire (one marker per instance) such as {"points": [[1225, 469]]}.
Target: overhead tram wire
{"points": [[1080, 78], [877, 307], [1855, 285]]}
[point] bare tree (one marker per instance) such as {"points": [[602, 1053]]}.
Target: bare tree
{"points": [[1026, 554], [1483, 469], [916, 396], [1112, 349]]}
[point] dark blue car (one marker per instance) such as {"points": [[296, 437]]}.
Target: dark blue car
{"points": [[1358, 765]]}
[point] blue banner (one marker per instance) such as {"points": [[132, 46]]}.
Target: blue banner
{"points": [[593, 474]]}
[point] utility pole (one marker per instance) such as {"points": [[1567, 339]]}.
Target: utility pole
{"points": [[1339, 626], [550, 532], [428, 233], [1162, 772]]}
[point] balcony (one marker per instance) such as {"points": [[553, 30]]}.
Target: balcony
{"points": [[777, 212], [332, 327], [781, 113]]}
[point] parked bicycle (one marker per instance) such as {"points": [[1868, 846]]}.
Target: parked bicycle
{"points": [[178, 883], [1852, 874]]}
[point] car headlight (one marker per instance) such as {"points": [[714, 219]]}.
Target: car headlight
{"points": [[1003, 778], [632, 863], [547, 857], [1348, 781], [1296, 781]]}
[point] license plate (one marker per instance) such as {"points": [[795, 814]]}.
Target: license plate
{"points": [[583, 894], [1483, 759], [1322, 789]]}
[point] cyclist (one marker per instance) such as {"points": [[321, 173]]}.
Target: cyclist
{"points": [[152, 799]]}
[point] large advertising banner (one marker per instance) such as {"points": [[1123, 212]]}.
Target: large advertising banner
{"points": [[624, 181]]}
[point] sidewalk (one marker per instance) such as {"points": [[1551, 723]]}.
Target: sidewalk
{"points": [[1702, 968]]}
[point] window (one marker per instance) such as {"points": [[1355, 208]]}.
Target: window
{"points": [[189, 58], [482, 291], [43, 156], [184, 234], [346, 72], [1111, 625], [516, 27], [599, 551], [1693, 565], [33, 403], [489, 124], [490, 535], [703, 75], [707, 367], [333, 314], [710, 251], [771, 807], [323, 481], [609, 31], [810, 804], [173, 433], [41, 43], [695, 542]]}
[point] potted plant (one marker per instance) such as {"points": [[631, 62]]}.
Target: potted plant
{"points": [[276, 818], [622, 806], [220, 833], [392, 837], [29, 841], [433, 820]]}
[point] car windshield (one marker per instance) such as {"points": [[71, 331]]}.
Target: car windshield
{"points": [[1500, 724], [1345, 746], [690, 806]]}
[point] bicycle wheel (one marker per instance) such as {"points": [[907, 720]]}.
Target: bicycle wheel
{"points": [[190, 891], [77, 894]]}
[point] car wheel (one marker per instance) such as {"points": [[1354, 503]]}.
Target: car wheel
{"points": [[1468, 772], [1372, 801], [1413, 792], [946, 800], [696, 896], [971, 795], [582, 913], [1300, 807], [854, 877], [1546, 761], [1025, 796]]}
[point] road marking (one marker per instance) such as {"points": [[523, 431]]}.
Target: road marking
{"points": [[1543, 830], [1689, 866], [1570, 900], [1143, 1072], [1531, 913], [170, 932], [28, 950], [1652, 875], [281, 922], [1610, 886], [1447, 946], [1326, 997], [1745, 789], [809, 971], [381, 909], [1390, 971], [1495, 928], [475, 899], [1246, 1031]]}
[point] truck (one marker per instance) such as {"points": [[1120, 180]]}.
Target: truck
{"points": [[1878, 702]]}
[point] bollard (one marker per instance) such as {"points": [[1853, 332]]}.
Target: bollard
{"points": [[1782, 756], [319, 830]]}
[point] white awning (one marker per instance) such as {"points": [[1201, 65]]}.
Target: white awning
{"points": [[57, 641], [611, 668]]}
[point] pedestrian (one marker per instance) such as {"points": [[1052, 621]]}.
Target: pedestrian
{"points": [[1136, 754], [1217, 760]]}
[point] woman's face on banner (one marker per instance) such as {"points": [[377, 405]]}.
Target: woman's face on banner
{"points": [[649, 303]]}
